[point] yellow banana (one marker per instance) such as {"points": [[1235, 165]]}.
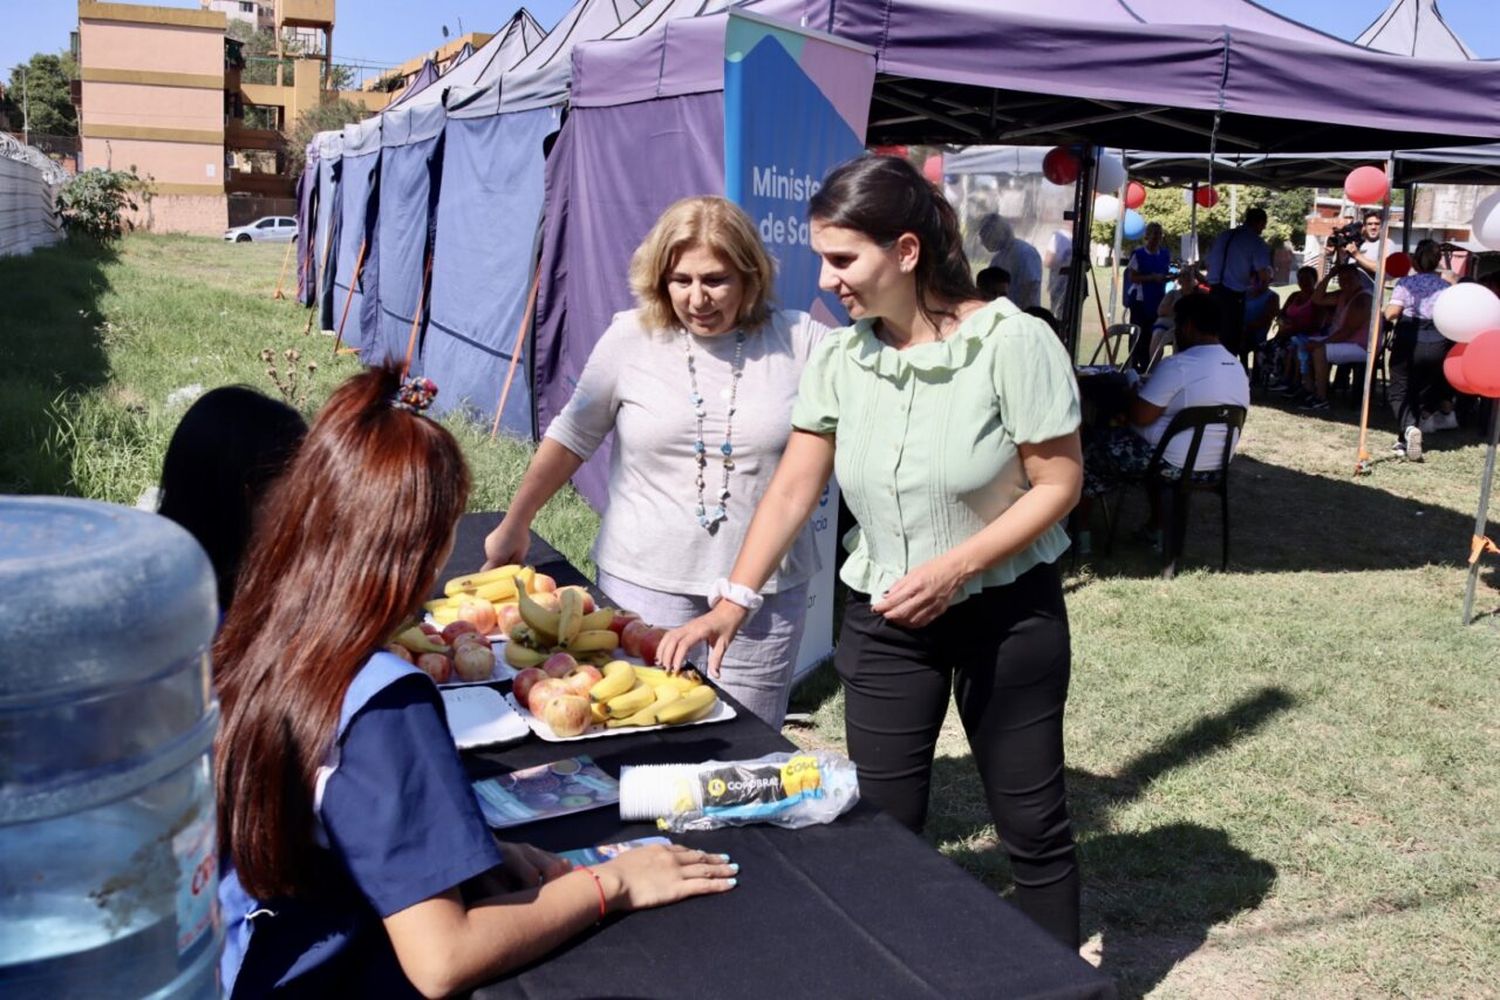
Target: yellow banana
{"points": [[521, 657], [599, 711], [594, 640], [619, 677], [524, 579], [632, 701], [693, 705], [543, 622], [445, 616], [500, 590], [647, 716], [418, 641], [473, 581], [657, 677], [570, 616], [440, 603], [597, 619]]}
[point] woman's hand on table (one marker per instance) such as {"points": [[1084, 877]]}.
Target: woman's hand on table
{"points": [[921, 595], [662, 874], [717, 628], [526, 866], [507, 544]]}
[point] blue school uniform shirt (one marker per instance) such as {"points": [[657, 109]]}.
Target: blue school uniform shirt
{"points": [[400, 824]]}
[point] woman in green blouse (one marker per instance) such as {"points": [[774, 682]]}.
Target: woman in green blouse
{"points": [[953, 426]]}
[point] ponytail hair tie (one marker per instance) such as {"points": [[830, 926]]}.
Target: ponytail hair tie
{"points": [[416, 394]]}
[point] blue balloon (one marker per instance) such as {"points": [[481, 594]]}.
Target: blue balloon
{"points": [[1135, 225]]}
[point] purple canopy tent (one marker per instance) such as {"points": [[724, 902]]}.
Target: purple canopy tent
{"points": [[966, 71], [307, 207]]}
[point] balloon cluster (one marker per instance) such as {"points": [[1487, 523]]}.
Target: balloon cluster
{"points": [[1062, 166], [1469, 314]]}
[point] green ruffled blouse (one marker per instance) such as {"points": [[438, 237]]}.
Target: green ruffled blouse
{"points": [[926, 438]]}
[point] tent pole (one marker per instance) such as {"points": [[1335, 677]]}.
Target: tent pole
{"points": [[359, 265], [1081, 264], [1114, 274], [416, 319], [1193, 220], [282, 276], [1408, 217], [1377, 304], [1478, 546], [515, 351]]}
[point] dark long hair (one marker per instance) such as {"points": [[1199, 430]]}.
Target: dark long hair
{"points": [[228, 447], [885, 196], [350, 541]]}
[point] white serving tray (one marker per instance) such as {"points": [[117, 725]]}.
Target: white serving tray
{"points": [[481, 717], [722, 712]]}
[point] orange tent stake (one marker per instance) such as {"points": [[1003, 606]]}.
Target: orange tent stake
{"points": [[359, 265], [515, 351], [416, 319], [282, 276]]}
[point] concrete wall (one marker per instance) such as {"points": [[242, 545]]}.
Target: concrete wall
{"points": [[200, 215], [28, 216]]}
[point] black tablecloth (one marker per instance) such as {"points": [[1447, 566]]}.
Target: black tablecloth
{"points": [[857, 908]]}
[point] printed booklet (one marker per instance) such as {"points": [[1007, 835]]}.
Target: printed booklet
{"points": [[571, 785]]}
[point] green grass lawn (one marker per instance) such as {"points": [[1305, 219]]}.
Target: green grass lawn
{"points": [[1284, 776]]}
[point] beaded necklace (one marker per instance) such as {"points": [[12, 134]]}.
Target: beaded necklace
{"points": [[707, 520]]}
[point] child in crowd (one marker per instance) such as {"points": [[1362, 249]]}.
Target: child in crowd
{"points": [[993, 282], [355, 859], [227, 449]]}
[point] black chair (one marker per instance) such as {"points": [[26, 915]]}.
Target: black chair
{"points": [[1174, 493], [1115, 345]]}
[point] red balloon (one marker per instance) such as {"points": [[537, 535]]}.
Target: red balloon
{"points": [[1453, 370], [1398, 264], [1061, 165], [1365, 185], [1481, 364], [1135, 194], [1207, 197], [932, 169]]}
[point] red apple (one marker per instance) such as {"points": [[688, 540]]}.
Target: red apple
{"points": [[474, 661], [506, 617], [430, 629], [622, 619], [588, 599], [542, 692], [437, 666], [559, 664], [479, 611], [649, 642], [396, 649], [582, 677], [567, 714], [548, 600], [632, 636], [543, 584], [463, 626], [525, 680]]}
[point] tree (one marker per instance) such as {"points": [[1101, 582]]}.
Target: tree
{"points": [[325, 117], [1286, 213], [94, 203], [44, 84]]}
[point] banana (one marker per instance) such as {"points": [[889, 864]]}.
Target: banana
{"points": [[599, 712], [597, 619], [440, 603], [619, 677], [500, 590], [647, 716], [693, 705], [445, 616], [570, 617], [520, 657], [418, 641], [543, 622], [657, 677], [594, 640], [473, 581], [632, 701], [524, 579]]}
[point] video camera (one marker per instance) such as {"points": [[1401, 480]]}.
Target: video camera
{"points": [[1351, 233]]}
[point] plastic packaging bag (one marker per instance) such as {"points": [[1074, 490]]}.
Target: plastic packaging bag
{"points": [[792, 790]]}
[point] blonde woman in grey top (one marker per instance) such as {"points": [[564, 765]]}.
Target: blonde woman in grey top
{"points": [[697, 383]]}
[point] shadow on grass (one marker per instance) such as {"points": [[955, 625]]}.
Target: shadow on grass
{"points": [[1282, 520], [54, 346], [1151, 895]]}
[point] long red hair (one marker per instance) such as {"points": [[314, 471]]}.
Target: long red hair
{"points": [[348, 545]]}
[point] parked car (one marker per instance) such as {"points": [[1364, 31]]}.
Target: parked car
{"points": [[272, 229]]}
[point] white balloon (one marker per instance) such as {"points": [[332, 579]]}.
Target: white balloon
{"points": [[1486, 225], [1109, 175], [1106, 208], [1463, 312]]}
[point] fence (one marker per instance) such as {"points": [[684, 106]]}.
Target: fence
{"points": [[29, 183]]}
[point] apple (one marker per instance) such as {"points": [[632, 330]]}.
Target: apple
{"points": [[430, 629], [588, 599], [396, 649], [543, 691], [582, 677], [567, 714], [437, 666], [550, 601], [479, 611], [474, 661], [507, 616], [631, 637], [649, 641], [559, 664], [622, 619], [524, 681], [541, 583], [463, 626]]}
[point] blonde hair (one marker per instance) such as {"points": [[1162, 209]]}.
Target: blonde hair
{"points": [[717, 225]]}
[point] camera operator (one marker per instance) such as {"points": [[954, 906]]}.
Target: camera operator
{"points": [[1366, 251]]}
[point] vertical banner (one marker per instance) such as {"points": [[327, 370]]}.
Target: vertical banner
{"points": [[796, 104]]}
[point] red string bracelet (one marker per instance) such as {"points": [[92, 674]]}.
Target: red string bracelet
{"points": [[603, 908]]}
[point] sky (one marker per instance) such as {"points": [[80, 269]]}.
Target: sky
{"points": [[389, 32]]}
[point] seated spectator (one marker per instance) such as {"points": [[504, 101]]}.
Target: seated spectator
{"points": [[1418, 392], [993, 282], [226, 451], [1299, 316], [1200, 373], [1346, 339], [1261, 308], [1189, 282]]}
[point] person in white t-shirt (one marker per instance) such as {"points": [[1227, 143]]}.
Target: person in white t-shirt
{"points": [[1201, 372]]}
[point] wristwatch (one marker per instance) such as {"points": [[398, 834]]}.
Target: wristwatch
{"points": [[736, 593]]}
